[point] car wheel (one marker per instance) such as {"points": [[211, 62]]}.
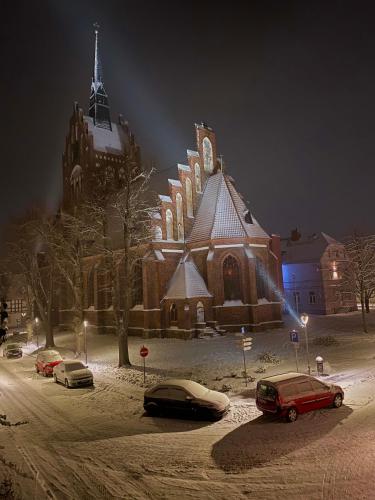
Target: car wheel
{"points": [[291, 415], [337, 401], [153, 410], [55, 378], [66, 383]]}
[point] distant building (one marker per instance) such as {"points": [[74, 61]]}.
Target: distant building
{"points": [[312, 274]]}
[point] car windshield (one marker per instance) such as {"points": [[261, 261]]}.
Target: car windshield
{"points": [[13, 346], [71, 367], [267, 391]]}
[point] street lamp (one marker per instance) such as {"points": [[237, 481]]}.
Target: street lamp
{"points": [[305, 320], [37, 332], [85, 324]]}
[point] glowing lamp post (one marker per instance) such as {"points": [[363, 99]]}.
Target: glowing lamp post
{"points": [[85, 324], [37, 332], [305, 320]]}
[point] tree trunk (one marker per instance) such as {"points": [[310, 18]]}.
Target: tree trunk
{"points": [[123, 337], [364, 321], [367, 303], [50, 342]]}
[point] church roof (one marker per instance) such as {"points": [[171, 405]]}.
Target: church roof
{"points": [[309, 250], [109, 141], [186, 281], [221, 213]]}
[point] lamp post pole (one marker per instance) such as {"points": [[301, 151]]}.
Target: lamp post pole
{"points": [[85, 323], [305, 319], [37, 332]]}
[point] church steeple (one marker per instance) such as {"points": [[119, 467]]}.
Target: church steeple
{"points": [[99, 107]]}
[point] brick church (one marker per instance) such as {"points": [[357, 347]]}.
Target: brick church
{"points": [[209, 266]]}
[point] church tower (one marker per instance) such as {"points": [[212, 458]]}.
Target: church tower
{"points": [[99, 107]]}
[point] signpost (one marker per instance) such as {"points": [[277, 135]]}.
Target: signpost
{"points": [[295, 341], [246, 346], [144, 353]]}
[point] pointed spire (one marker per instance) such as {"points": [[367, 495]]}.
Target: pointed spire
{"points": [[99, 107]]}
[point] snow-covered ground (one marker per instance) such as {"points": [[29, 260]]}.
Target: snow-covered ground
{"points": [[97, 442]]}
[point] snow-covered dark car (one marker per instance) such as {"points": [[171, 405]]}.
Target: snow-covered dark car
{"points": [[72, 373], [185, 398], [12, 351]]}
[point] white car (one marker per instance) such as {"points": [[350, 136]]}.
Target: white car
{"points": [[72, 373]]}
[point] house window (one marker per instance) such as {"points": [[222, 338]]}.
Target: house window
{"points": [[312, 298], [169, 224], [231, 278], [207, 155], [260, 279], [198, 184], [180, 216], [173, 313], [189, 198], [297, 298]]}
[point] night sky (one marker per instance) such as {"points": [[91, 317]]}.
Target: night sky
{"points": [[289, 88]]}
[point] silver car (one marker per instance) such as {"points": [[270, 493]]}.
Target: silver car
{"points": [[72, 373]]}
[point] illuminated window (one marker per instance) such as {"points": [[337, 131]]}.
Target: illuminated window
{"points": [[189, 197], [260, 279], [207, 155], [231, 278], [297, 298], [180, 217], [198, 184], [169, 224]]}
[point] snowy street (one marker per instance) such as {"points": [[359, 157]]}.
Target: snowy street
{"points": [[97, 442]]}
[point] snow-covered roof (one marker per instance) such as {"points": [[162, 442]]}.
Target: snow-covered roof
{"points": [[110, 141], [221, 213], [175, 183], [180, 166], [186, 281], [192, 153], [163, 197], [309, 250]]}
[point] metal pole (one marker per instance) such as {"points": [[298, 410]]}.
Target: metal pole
{"points": [[85, 343], [37, 336], [296, 351], [244, 365], [144, 370], [307, 350]]}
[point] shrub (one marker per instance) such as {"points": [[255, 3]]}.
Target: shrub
{"points": [[269, 357]]}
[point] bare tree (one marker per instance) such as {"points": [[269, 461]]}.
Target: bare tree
{"points": [[360, 272], [29, 256]]}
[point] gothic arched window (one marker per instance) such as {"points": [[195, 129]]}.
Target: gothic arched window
{"points": [[208, 155], [198, 182], [260, 278], [169, 224], [180, 216], [200, 312], [231, 278], [189, 197], [173, 313]]}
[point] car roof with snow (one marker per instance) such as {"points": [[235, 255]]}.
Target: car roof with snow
{"points": [[283, 377], [188, 385]]}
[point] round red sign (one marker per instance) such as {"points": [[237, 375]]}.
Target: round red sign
{"points": [[143, 352]]}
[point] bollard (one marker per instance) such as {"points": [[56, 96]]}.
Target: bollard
{"points": [[319, 365]]}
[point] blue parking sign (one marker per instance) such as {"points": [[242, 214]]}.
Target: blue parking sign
{"points": [[294, 336]]}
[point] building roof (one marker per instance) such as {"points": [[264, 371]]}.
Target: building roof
{"points": [[221, 213], [308, 250], [109, 141], [186, 281]]}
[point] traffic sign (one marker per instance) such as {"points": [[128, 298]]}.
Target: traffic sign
{"points": [[143, 351], [294, 336], [247, 348]]}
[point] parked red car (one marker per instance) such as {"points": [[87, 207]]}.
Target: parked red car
{"points": [[290, 394], [46, 360]]}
